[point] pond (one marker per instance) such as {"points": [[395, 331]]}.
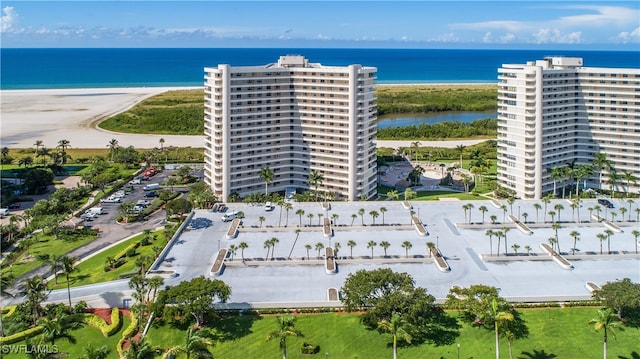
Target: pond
{"points": [[411, 120]]}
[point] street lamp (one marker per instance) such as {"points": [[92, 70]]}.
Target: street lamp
{"points": [[437, 245], [458, 351]]}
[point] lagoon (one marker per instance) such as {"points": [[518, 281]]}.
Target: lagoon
{"points": [[414, 120]]}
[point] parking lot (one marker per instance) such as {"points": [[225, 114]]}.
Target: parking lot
{"points": [[295, 276]]}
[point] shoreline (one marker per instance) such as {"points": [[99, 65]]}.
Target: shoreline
{"points": [[51, 115]]}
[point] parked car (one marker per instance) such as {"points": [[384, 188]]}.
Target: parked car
{"points": [[4, 212], [14, 205], [269, 207], [135, 181], [151, 194], [605, 202], [111, 200]]}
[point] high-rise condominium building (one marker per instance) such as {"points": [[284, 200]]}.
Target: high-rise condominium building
{"points": [[294, 117], [555, 113]]}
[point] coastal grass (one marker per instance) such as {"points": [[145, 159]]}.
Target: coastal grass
{"points": [[91, 271], [177, 112], [180, 112]]}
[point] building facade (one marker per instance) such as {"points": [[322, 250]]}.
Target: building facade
{"points": [[555, 113], [293, 117]]}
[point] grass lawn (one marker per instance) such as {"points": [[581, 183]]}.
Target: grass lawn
{"points": [[92, 270], [46, 245], [563, 332]]}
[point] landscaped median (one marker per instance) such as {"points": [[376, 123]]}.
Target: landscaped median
{"points": [[521, 226], [419, 227], [611, 226], [233, 229], [439, 260], [330, 261], [556, 256], [326, 229], [218, 264]]}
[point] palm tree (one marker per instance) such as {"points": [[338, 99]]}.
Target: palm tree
{"points": [[528, 249], [558, 207], [288, 206], [490, 233], [335, 217], [58, 327], [515, 248], [393, 194], [286, 328], [483, 209], [537, 207], [630, 202], [351, 243], [415, 146], [353, 218], [308, 248], [298, 230], [385, 245], [555, 227], [6, 282], [233, 249], [460, 149], [361, 213], [55, 263], [310, 216], [35, 289], [25, 161], [319, 247], [243, 246], [95, 353], [273, 241], [371, 244], [261, 219], [196, 343], [382, 210], [374, 215], [635, 234], [601, 237], [63, 145], [267, 244], [398, 328], [612, 181], [499, 316], [300, 213], [113, 147], [607, 321], [315, 179], [504, 234], [267, 176], [44, 153], [608, 233], [576, 238], [38, 143], [67, 264], [140, 350], [406, 245], [599, 163], [430, 247]]}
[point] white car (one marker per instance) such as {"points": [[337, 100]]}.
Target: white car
{"points": [[269, 207], [111, 200]]}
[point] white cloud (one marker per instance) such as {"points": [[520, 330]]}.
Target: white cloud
{"points": [[487, 37], [547, 35], [449, 37], [507, 25], [507, 38], [603, 16], [633, 36], [9, 19]]}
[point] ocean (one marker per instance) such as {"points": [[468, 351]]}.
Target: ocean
{"points": [[100, 68]]}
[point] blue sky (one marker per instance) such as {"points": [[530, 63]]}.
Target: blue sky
{"points": [[513, 24]]}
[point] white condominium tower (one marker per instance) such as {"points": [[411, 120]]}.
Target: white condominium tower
{"points": [[293, 117], [557, 113]]}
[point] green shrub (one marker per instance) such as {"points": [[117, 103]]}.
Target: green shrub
{"points": [[8, 310], [308, 348], [107, 330], [128, 333], [20, 336]]}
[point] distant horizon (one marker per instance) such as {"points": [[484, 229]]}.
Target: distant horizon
{"points": [[381, 24]]}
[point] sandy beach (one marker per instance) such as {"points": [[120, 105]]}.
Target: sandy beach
{"points": [[73, 114]]}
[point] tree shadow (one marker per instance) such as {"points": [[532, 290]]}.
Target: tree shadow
{"points": [[537, 354], [233, 326], [633, 355]]}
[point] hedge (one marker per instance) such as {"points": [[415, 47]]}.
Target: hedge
{"points": [[128, 333], [9, 310], [20, 336], [123, 253], [106, 329]]}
